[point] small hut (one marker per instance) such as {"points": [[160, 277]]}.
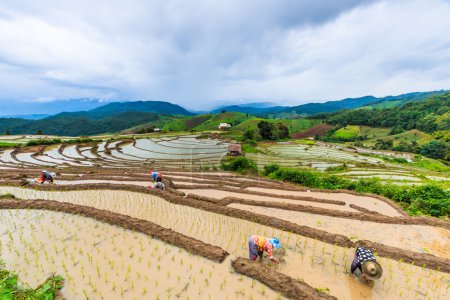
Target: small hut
{"points": [[235, 149], [224, 126]]}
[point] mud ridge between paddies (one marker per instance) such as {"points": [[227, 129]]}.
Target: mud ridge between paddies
{"points": [[422, 259], [155, 231], [289, 287]]}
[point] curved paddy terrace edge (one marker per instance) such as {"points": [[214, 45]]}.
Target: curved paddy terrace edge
{"points": [[427, 260], [271, 279]]}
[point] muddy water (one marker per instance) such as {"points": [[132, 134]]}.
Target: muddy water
{"points": [[363, 201], [28, 159], [5, 156], [71, 152], [217, 194], [321, 265], [424, 239], [189, 183], [200, 174], [88, 154], [186, 177], [100, 261]]}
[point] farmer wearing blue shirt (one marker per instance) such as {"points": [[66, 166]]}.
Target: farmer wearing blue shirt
{"points": [[156, 176]]}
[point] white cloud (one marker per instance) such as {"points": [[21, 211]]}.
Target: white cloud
{"points": [[195, 52]]}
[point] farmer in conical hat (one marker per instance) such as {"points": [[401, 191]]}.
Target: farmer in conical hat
{"points": [[368, 266], [258, 244]]}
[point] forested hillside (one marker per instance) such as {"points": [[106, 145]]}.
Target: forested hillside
{"points": [[112, 117], [76, 125], [430, 115], [421, 127]]}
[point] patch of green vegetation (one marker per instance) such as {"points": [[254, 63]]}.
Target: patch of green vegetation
{"points": [[429, 164], [294, 125], [240, 164], [175, 125], [58, 141], [233, 118], [429, 115], [8, 145], [7, 196], [426, 199], [249, 148], [346, 133], [10, 289], [373, 132], [383, 104]]}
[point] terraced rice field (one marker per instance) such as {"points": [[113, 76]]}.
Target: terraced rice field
{"points": [[322, 158], [111, 237]]}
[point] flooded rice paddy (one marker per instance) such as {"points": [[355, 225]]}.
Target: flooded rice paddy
{"points": [[101, 261], [319, 264]]}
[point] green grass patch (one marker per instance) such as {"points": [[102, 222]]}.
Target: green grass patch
{"points": [[346, 133], [10, 289], [294, 125], [429, 164], [8, 145], [373, 132]]}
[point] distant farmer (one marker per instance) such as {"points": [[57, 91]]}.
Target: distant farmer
{"points": [[158, 185], [156, 176], [46, 176], [367, 265], [258, 244]]}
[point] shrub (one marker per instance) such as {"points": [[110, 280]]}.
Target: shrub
{"points": [[249, 134], [239, 164], [10, 289], [44, 142], [270, 168]]}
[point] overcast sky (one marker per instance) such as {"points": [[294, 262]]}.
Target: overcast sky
{"points": [[200, 53]]}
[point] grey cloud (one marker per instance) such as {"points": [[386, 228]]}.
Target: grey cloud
{"points": [[200, 51]]}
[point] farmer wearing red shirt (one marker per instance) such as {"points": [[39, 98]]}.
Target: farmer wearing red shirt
{"points": [[258, 244]]}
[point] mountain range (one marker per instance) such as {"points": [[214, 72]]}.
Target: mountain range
{"points": [[332, 106], [117, 116]]}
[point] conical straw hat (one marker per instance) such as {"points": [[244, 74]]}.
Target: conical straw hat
{"points": [[371, 269]]}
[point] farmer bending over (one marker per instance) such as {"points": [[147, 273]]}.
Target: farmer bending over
{"points": [[367, 264], [46, 176], [258, 244], [158, 185], [156, 176]]}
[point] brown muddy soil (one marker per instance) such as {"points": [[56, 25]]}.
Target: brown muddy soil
{"points": [[430, 261], [149, 228], [286, 285], [312, 132], [222, 193]]}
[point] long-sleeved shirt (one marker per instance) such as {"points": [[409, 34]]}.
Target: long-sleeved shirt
{"points": [[361, 255], [263, 244], [155, 175]]}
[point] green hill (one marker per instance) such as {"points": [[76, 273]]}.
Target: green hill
{"points": [[409, 136], [112, 117], [75, 125], [352, 103], [430, 115], [160, 107]]}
